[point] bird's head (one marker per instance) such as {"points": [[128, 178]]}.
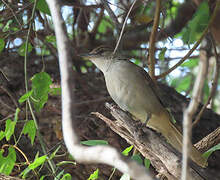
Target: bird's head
{"points": [[101, 52]]}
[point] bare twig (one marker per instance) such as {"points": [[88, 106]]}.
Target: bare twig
{"points": [[112, 15], [123, 27], [98, 154], [190, 111], [214, 84], [195, 45], [153, 40]]}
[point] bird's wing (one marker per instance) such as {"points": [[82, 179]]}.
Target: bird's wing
{"points": [[150, 83]]}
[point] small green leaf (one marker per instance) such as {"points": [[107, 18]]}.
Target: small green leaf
{"points": [[54, 153], [104, 25], [2, 44], [59, 175], [16, 114], [94, 175], [125, 177], [190, 63], [41, 87], [7, 26], [184, 83], [7, 162], [38, 162], [25, 96], [42, 177], [2, 135], [162, 53], [94, 142], [127, 150], [147, 163], [210, 151], [66, 176], [51, 39], [42, 6], [21, 49], [9, 129], [137, 158], [30, 129]]}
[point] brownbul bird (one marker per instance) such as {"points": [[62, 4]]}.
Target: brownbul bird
{"points": [[133, 90]]}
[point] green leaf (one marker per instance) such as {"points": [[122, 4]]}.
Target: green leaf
{"points": [[9, 129], [66, 176], [7, 26], [104, 25], [162, 53], [59, 175], [147, 163], [190, 63], [210, 151], [137, 158], [94, 175], [7, 162], [42, 177], [2, 44], [183, 84], [16, 114], [42, 6], [38, 162], [54, 153], [2, 135], [30, 129], [197, 24], [51, 39], [127, 150], [94, 142], [41, 87], [25, 96], [21, 49], [125, 177]]}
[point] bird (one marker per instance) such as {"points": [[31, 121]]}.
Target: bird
{"points": [[133, 90]]}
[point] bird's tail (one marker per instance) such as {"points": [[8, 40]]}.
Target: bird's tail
{"points": [[162, 123]]}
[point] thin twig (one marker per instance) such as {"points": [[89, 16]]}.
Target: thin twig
{"points": [[190, 111], [214, 84], [153, 39], [195, 45], [112, 15], [123, 27]]}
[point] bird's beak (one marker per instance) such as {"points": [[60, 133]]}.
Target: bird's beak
{"points": [[87, 56]]}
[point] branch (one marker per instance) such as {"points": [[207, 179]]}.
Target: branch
{"points": [[162, 156], [97, 154], [209, 141], [153, 40], [214, 84], [112, 15], [190, 111]]}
